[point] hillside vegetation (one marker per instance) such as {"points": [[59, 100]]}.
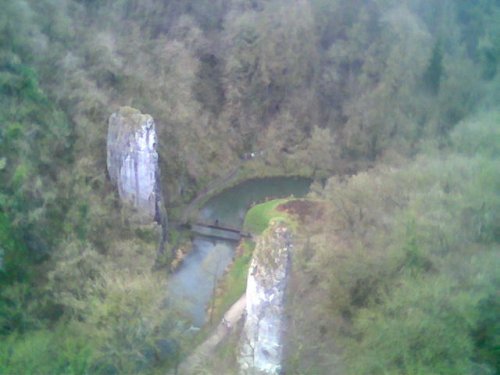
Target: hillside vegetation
{"points": [[391, 106], [405, 279]]}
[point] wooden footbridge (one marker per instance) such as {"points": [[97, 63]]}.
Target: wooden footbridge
{"points": [[219, 231]]}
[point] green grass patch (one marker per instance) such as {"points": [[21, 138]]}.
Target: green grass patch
{"points": [[259, 216], [234, 283]]}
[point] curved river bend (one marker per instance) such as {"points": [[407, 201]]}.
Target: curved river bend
{"points": [[192, 286]]}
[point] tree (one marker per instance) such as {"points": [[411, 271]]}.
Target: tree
{"points": [[322, 149], [271, 56], [434, 70], [422, 327]]}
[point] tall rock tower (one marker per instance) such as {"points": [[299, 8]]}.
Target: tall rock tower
{"points": [[133, 161], [261, 348]]}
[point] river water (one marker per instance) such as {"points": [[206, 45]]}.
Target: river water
{"points": [[192, 286]]}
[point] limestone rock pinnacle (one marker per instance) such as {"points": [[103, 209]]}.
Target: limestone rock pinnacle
{"points": [[261, 339], [133, 161]]}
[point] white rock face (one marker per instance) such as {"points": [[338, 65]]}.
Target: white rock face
{"points": [[133, 160], [261, 346]]}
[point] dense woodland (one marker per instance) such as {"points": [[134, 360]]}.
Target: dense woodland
{"points": [[390, 106]]}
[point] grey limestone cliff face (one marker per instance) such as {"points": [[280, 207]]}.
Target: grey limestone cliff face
{"points": [[261, 340], [133, 161]]}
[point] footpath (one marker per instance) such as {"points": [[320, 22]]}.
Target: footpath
{"points": [[206, 349]]}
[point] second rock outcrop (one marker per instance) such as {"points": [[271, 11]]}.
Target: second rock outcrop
{"points": [[261, 340]]}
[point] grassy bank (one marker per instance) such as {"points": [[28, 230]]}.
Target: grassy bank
{"points": [[259, 216], [234, 283]]}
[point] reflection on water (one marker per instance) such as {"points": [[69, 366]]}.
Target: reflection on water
{"points": [[230, 206], [192, 286]]}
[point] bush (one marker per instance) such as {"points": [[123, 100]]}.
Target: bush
{"points": [[46, 352], [424, 325]]}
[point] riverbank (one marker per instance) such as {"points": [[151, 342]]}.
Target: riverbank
{"points": [[245, 171], [206, 349]]}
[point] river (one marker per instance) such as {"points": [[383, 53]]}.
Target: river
{"points": [[192, 286]]}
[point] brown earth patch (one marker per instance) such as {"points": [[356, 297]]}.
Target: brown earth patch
{"points": [[307, 211]]}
